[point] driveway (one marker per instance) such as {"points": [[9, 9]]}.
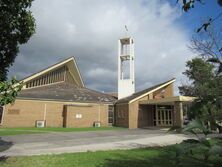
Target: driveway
{"points": [[66, 142]]}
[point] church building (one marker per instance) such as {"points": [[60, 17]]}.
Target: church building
{"points": [[57, 97]]}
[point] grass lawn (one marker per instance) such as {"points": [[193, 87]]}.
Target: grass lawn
{"points": [[17, 131], [146, 157]]}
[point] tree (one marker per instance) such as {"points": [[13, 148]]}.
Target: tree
{"points": [[190, 4], [205, 84], [9, 91], [17, 25], [208, 45], [213, 46], [187, 5]]}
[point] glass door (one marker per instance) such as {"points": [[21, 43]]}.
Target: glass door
{"points": [[163, 116]]}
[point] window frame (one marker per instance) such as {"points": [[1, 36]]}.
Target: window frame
{"points": [[112, 117]]}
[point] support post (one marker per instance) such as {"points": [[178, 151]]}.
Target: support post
{"points": [[178, 114]]}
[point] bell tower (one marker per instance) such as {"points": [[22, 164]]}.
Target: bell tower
{"points": [[126, 74]]}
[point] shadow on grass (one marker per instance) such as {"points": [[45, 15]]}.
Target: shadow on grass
{"points": [[4, 145], [165, 159]]}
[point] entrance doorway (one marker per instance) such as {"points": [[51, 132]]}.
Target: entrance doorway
{"points": [[163, 116]]}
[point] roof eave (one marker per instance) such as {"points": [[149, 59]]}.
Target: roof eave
{"points": [[153, 90], [47, 69], [61, 100]]}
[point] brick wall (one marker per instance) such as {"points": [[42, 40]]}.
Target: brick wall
{"points": [[122, 115], [164, 92], [85, 116], [134, 113], [145, 116], [25, 113]]}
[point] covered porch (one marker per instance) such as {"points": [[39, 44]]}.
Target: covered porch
{"points": [[163, 112]]}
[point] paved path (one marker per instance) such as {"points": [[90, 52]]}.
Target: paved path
{"points": [[66, 142]]}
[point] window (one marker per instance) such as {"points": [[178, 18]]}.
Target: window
{"points": [[1, 114], [51, 77], [110, 114]]}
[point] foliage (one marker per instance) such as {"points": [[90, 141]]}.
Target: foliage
{"points": [[17, 25], [204, 74], [187, 5], [9, 91], [203, 143], [208, 45], [217, 61], [206, 85]]}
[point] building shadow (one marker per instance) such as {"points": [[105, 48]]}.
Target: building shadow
{"points": [[4, 145]]}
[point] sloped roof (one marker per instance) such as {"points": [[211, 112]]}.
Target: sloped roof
{"points": [[145, 92], [65, 92], [69, 62], [113, 94]]}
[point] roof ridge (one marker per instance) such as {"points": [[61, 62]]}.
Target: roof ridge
{"points": [[98, 92], [140, 93]]}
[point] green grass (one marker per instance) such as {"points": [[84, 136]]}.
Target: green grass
{"points": [[146, 157], [17, 131], [9, 132]]}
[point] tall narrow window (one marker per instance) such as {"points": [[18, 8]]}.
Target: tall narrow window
{"points": [[1, 114], [110, 114]]}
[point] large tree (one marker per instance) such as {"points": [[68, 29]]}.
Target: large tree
{"points": [[207, 68], [206, 85], [17, 25]]}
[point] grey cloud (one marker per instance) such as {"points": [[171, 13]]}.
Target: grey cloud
{"points": [[90, 30]]}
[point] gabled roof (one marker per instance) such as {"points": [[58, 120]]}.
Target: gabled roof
{"points": [[65, 92], [69, 62], [144, 92]]}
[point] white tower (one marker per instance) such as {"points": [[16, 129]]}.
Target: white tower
{"points": [[126, 76]]}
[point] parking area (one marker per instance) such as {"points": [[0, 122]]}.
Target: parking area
{"points": [[61, 142]]}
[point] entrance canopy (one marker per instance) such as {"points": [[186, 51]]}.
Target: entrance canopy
{"points": [[168, 100], [163, 117]]}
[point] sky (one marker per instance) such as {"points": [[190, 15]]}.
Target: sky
{"points": [[89, 30]]}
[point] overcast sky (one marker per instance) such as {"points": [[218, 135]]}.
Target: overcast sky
{"points": [[90, 29]]}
